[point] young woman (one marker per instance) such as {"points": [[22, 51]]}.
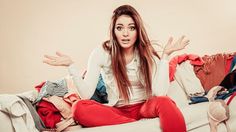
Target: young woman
{"points": [[136, 78]]}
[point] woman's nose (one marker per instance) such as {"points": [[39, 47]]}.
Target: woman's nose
{"points": [[125, 32]]}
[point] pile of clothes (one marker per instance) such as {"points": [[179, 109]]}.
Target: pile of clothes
{"points": [[208, 78], [55, 99]]}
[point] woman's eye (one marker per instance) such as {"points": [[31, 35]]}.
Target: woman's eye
{"points": [[132, 28], [119, 28]]}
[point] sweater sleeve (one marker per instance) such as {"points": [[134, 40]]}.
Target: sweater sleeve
{"points": [[161, 81], [87, 86]]}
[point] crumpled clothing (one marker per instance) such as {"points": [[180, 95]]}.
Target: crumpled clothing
{"points": [[18, 112], [57, 88], [223, 94], [61, 105], [49, 114], [194, 60], [214, 69]]}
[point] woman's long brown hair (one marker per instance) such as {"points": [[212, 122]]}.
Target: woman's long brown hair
{"points": [[145, 52]]}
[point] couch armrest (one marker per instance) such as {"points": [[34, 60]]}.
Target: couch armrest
{"points": [[5, 122]]}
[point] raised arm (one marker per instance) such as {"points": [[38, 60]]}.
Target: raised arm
{"points": [[161, 81], [86, 86]]}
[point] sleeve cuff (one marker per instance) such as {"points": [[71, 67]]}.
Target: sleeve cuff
{"points": [[73, 70]]}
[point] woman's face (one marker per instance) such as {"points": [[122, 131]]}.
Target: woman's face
{"points": [[125, 31]]}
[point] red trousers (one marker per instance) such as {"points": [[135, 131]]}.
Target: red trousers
{"points": [[90, 113]]}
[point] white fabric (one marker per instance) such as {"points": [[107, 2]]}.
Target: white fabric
{"points": [[233, 68], [100, 62], [186, 77], [18, 112], [31, 95], [137, 92]]}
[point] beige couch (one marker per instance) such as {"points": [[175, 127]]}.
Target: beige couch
{"points": [[195, 116]]}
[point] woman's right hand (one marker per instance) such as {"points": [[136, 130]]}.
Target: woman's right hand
{"points": [[59, 60]]}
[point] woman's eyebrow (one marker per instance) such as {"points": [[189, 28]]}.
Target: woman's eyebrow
{"points": [[119, 24], [131, 24]]}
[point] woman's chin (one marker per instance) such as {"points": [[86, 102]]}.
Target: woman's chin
{"points": [[126, 46]]}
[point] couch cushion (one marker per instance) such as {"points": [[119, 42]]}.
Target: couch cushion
{"points": [[177, 93], [196, 115], [146, 125]]}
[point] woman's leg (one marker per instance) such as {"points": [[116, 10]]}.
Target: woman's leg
{"points": [[90, 113], [171, 118]]}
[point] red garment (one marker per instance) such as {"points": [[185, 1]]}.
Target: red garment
{"points": [[90, 113], [194, 60], [38, 87], [213, 71], [231, 98], [228, 64], [48, 113]]}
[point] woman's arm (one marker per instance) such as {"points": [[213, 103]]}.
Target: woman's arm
{"points": [[161, 81], [86, 86]]}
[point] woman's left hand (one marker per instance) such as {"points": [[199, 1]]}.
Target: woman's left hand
{"points": [[171, 46]]}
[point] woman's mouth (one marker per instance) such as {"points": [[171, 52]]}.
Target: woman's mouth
{"points": [[125, 41]]}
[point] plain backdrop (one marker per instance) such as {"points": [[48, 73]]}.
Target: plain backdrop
{"points": [[31, 28]]}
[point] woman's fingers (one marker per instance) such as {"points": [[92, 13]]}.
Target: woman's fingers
{"points": [[50, 57], [185, 43], [50, 62], [59, 60], [60, 54], [170, 41], [172, 46], [182, 37], [47, 61]]}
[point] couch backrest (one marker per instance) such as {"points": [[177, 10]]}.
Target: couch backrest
{"points": [[176, 92]]}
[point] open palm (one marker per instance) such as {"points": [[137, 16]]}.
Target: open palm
{"points": [[59, 60], [171, 46]]}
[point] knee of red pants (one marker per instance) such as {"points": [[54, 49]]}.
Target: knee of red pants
{"points": [[79, 109], [150, 106]]}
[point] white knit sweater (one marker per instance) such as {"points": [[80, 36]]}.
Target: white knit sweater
{"points": [[100, 62]]}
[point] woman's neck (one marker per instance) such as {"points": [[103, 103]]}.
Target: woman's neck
{"points": [[129, 55]]}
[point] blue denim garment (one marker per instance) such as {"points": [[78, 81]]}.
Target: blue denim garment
{"points": [[233, 63], [100, 94], [203, 98], [101, 85]]}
